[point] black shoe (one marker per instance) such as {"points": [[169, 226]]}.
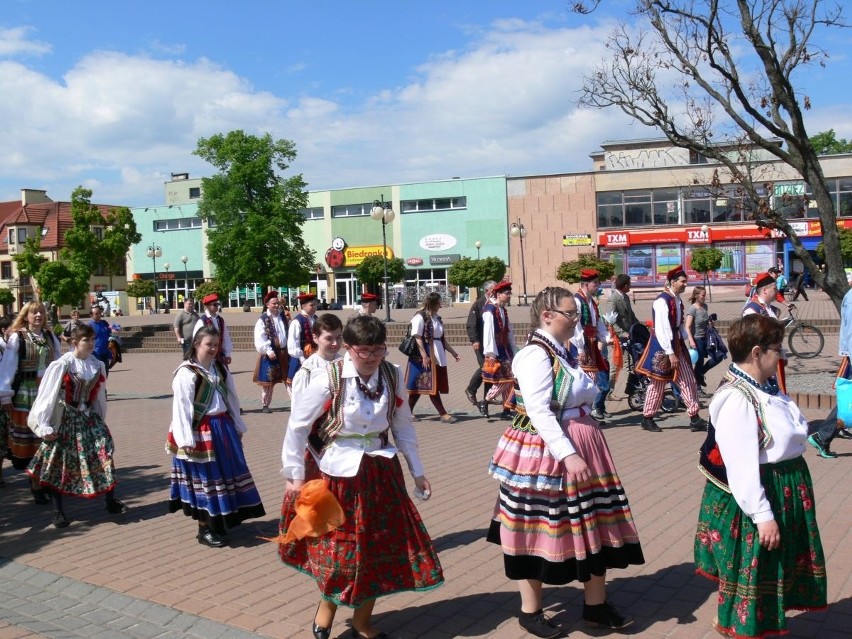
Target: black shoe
{"points": [[115, 507], [697, 425], [265, 409], [60, 520], [650, 425], [842, 433], [537, 623], [357, 635], [483, 408], [320, 632], [507, 414], [824, 451], [471, 397], [40, 496], [207, 537], [604, 616]]}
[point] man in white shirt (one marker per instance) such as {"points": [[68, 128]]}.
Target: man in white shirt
{"points": [[270, 341], [212, 318], [300, 336]]}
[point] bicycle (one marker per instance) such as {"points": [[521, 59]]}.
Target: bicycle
{"points": [[805, 340]]}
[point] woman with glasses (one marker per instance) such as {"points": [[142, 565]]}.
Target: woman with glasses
{"points": [[757, 530], [562, 514], [427, 374], [352, 419]]}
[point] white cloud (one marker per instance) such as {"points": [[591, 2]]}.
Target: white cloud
{"points": [[14, 42]]}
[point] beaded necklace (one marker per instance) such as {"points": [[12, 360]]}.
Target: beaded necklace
{"points": [[770, 387], [373, 395]]}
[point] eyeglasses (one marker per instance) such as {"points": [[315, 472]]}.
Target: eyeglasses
{"points": [[778, 349], [369, 353], [569, 315]]}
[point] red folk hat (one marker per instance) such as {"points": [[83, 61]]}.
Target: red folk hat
{"points": [[271, 295], [306, 297], [369, 297], [763, 279], [675, 273], [502, 287], [589, 275], [210, 299]]}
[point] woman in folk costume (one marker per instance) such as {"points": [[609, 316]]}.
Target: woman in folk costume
{"points": [[562, 514], [427, 374], [5, 422], [498, 347], [270, 341], [210, 480], [211, 317], [30, 348], [757, 532], [589, 332], [765, 292], [666, 357], [300, 337], [76, 452], [345, 418]]}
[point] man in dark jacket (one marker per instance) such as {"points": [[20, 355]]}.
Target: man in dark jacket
{"points": [[619, 302], [474, 334]]}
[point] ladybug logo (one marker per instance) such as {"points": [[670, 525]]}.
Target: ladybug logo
{"points": [[334, 258]]}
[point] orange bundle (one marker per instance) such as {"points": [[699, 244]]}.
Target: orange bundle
{"points": [[491, 366], [617, 352], [317, 513]]}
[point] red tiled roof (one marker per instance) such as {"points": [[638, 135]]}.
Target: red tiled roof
{"points": [[53, 216]]}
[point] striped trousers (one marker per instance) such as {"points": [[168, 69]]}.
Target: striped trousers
{"points": [[684, 379]]}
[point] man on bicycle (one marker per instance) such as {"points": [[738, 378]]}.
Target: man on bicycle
{"points": [[765, 292]]}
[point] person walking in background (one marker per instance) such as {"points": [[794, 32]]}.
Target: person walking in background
{"points": [[210, 479], [300, 335], [498, 346], [695, 322], [474, 334], [427, 374], [345, 430], [270, 341], [74, 322], [562, 514], [103, 331], [780, 281], [184, 324], [76, 453], [212, 317], [757, 533], [625, 318], [765, 292], [590, 333], [369, 304], [666, 359], [30, 348], [799, 285], [328, 334]]}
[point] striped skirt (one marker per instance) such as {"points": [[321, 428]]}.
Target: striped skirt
{"points": [[220, 492], [382, 548], [23, 442], [757, 586], [552, 529]]}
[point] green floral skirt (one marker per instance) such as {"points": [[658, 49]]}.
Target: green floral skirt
{"points": [[757, 586]]}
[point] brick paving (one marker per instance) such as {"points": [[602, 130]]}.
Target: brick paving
{"points": [[153, 572]]}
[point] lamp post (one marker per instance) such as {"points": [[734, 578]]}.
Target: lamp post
{"points": [[185, 259], [705, 231], [383, 212], [168, 304], [154, 252], [478, 246], [519, 231]]}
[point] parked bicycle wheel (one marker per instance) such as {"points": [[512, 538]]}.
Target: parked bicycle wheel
{"points": [[806, 341]]}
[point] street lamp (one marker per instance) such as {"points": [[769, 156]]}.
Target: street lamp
{"points": [[382, 211], [478, 246], [168, 304], [520, 232], [154, 252], [705, 231], [185, 259]]}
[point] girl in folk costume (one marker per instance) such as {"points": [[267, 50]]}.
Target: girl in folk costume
{"points": [[427, 374], [300, 338], [666, 358], [210, 480], [5, 422], [589, 332], [498, 347], [562, 514], [765, 292], [76, 452], [270, 341], [345, 418], [328, 334], [757, 532], [212, 318], [30, 348]]}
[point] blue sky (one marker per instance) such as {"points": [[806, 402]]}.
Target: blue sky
{"points": [[115, 95]]}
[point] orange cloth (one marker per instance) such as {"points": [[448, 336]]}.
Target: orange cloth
{"points": [[317, 513]]}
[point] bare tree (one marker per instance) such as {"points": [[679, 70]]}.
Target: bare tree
{"points": [[717, 77]]}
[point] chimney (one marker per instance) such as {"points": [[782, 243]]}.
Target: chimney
{"points": [[34, 196]]}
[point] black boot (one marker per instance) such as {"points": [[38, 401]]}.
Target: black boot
{"points": [[536, 623], [40, 496], [483, 408], [697, 425], [604, 616], [650, 425]]}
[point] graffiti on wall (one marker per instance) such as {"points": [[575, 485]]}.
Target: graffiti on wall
{"points": [[644, 159]]}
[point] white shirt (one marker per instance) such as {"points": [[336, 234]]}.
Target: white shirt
{"points": [[294, 337], [489, 340], [736, 433], [225, 345], [417, 328], [9, 364], [183, 388], [303, 376], [532, 369], [768, 307], [51, 387], [361, 417], [602, 332], [662, 328], [261, 341]]}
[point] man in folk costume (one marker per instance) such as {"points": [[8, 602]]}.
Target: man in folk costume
{"points": [[369, 304], [211, 317], [765, 292], [498, 347], [300, 337], [589, 332], [270, 341], [666, 358]]}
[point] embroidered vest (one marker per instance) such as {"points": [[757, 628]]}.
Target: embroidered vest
{"points": [[272, 332], [654, 362], [562, 383], [501, 329], [760, 309], [306, 335], [205, 390]]}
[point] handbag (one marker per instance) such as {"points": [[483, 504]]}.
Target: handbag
{"points": [[408, 345]]}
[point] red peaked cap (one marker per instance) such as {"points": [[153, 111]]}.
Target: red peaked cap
{"points": [[589, 275], [271, 295], [369, 297], [502, 286], [306, 297], [763, 279], [675, 273], [209, 299]]}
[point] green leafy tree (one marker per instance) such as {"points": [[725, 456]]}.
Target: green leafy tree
{"points": [[473, 273], [570, 271], [827, 143], [211, 286], [120, 233], [372, 271], [705, 260], [141, 289], [845, 246], [7, 297], [63, 281], [258, 232]]}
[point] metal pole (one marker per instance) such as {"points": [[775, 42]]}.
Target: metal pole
{"points": [[385, 256], [524, 270]]}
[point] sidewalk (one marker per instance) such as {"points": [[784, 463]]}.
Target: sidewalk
{"points": [[147, 571]]}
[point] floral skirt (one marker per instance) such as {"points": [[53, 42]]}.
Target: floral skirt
{"points": [[80, 460], [383, 547], [550, 528], [422, 380], [757, 586], [220, 491], [23, 443]]}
